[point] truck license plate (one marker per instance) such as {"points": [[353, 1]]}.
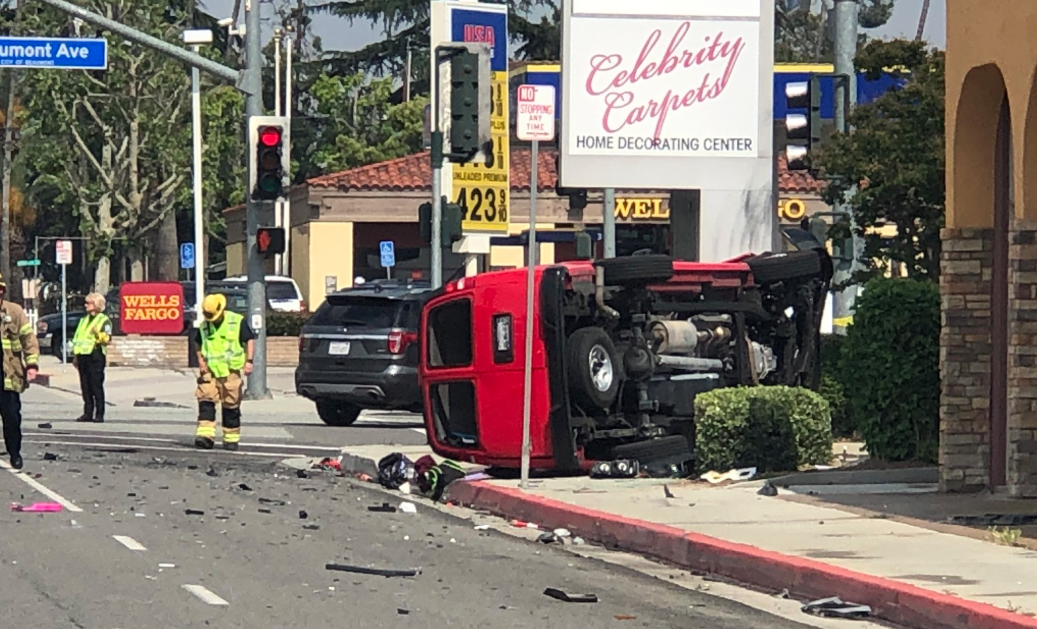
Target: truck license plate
{"points": [[338, 348]]}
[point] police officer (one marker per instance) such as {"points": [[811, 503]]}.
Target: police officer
{"points": [[89, 351], [225, 347], [21, 359]]}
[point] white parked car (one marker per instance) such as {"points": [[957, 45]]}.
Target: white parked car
{"points": [[282, 292]]}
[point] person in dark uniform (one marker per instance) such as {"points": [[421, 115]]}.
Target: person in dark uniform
{"points": [[89, 351], [21, 359]]}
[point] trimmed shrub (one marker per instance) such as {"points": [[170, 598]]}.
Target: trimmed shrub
{"points": [[774, 429], [285, 323], [891, 367], [833, 375]]}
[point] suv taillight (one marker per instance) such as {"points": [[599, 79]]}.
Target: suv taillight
{"points": [[399, 340]]}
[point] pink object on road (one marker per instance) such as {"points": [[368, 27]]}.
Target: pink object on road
{"points": [[37, 507]]}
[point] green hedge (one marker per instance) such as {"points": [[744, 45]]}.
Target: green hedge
{"points": [[285, 323], [891, 368], [833, 375], [770, 428]]}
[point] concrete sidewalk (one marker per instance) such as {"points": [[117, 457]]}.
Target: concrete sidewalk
{"points": [[910, 575]]}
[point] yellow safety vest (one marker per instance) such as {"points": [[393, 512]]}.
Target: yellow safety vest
{"points": [[221, 346], [85, 339]]}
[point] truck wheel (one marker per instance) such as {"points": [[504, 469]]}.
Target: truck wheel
{"points": [[778, 267], [663, 448], [337, 413], [593, 367], [637, 269]]}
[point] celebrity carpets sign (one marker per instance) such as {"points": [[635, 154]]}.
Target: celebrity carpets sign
{"points": [[662, 78], [665, 87], [151, 308]]}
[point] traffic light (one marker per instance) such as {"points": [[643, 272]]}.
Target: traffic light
{"points": [[803, 122], [450, 226], [268, 168], [470, 104], [270, 241]]}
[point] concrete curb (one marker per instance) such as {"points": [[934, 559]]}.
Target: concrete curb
{"points": [[849, 476], [892, 601]]}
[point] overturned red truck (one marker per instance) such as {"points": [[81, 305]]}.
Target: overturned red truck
{"points": [[621, 348]]}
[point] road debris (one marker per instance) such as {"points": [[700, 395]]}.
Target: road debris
{"points": [[264, 510], [378, 572], [403, 612], [311, 527], [36, 507], [212, 472], [329, 464], [167, 565], [667, 492], [395, 470], [244, 487], [519, 524], [273, 501], [303, 515], [50, 456], [836, 607], [45, 425], [562, 533], [570, 598], [743, 474], [301, 474], [624, 617], [385, 507], [193, 512], [482, 527], [768, 490], [408, 507], [549, 538]]}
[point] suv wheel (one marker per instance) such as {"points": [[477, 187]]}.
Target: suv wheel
{"points": [[594, 371], [337, 413]]}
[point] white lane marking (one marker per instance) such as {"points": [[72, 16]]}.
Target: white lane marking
{"points": [[205, 595], [181, 449], [38, 486], [128, 542]]}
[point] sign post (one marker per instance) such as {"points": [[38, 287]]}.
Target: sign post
{"points": [[187, 257], [387, 250], [535, 121], [63, 253]]}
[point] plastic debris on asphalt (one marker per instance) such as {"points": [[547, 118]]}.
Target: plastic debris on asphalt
{"points": [[570, 598], [768, 490], [519, 524], [378, 572], [37, 507], [385, 507], [408, 507], [395, 470], [836, 607]]}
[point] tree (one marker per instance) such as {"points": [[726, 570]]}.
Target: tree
{"points": [[359, 125], [404, 25], [896, 155], [803, 35]]}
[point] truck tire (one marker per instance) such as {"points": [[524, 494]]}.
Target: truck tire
{"points": [[643, 269], [659, 449], [594, 370], [338, 414], [779, 267]]}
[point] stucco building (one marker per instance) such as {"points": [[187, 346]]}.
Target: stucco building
{"points": [[988, 355]]}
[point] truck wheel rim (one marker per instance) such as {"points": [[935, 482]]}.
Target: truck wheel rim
{"points": [[601, 368]]}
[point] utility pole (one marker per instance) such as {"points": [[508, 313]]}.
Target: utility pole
{"points": [[5, 193], [845, 14], [253, 81]]}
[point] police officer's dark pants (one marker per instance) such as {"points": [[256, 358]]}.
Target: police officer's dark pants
{"points": [[91, 382], [11, 413]]}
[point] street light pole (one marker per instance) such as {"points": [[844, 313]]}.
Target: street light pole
{"points": [[196, 37], [286, 261], [278, 35]]}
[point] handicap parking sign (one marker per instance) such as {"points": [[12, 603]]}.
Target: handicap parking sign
{"points": [[388, 253]]}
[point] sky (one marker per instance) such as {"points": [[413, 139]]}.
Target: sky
{"points": [[337, 34]]}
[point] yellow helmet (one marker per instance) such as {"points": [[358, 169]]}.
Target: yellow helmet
{"points": [[213, 306]]}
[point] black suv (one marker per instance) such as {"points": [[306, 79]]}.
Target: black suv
{"points": [[360, 351]]}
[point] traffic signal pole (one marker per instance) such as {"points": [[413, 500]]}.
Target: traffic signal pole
{"points": [[253, 79], [250, 82]]}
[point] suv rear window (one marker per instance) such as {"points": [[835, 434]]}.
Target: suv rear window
{"points": [[281, 290], [371, 312]]}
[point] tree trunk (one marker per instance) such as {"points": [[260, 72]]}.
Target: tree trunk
{"points": [[167, 254], [136, 258], [103, 275]]}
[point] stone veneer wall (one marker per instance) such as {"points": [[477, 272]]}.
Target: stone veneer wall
{"points": [[966, 268], [1022, 360]]}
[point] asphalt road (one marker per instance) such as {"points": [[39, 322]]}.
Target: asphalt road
{"points": [[251, 563]]}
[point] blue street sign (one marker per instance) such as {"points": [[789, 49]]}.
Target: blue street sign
{"points": [[61, 53], [187, 255], [388, 251]]}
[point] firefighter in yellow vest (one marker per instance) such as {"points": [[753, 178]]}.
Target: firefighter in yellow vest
{"points": [[226, 343], [21, 359], [93, 333]]}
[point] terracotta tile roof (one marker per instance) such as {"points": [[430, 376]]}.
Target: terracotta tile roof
{"points": [[413, 173]]}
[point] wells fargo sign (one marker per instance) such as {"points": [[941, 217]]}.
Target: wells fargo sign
{"points": [[151, 308], [642, 210]]}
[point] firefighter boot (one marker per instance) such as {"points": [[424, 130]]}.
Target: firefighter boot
{"points": [[231, 428], [205, 435]]}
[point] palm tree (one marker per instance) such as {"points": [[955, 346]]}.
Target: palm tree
{"points": [[922, 19]]}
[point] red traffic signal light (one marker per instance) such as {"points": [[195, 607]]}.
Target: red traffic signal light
{"points": [[270, 136], [270, 240]]}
